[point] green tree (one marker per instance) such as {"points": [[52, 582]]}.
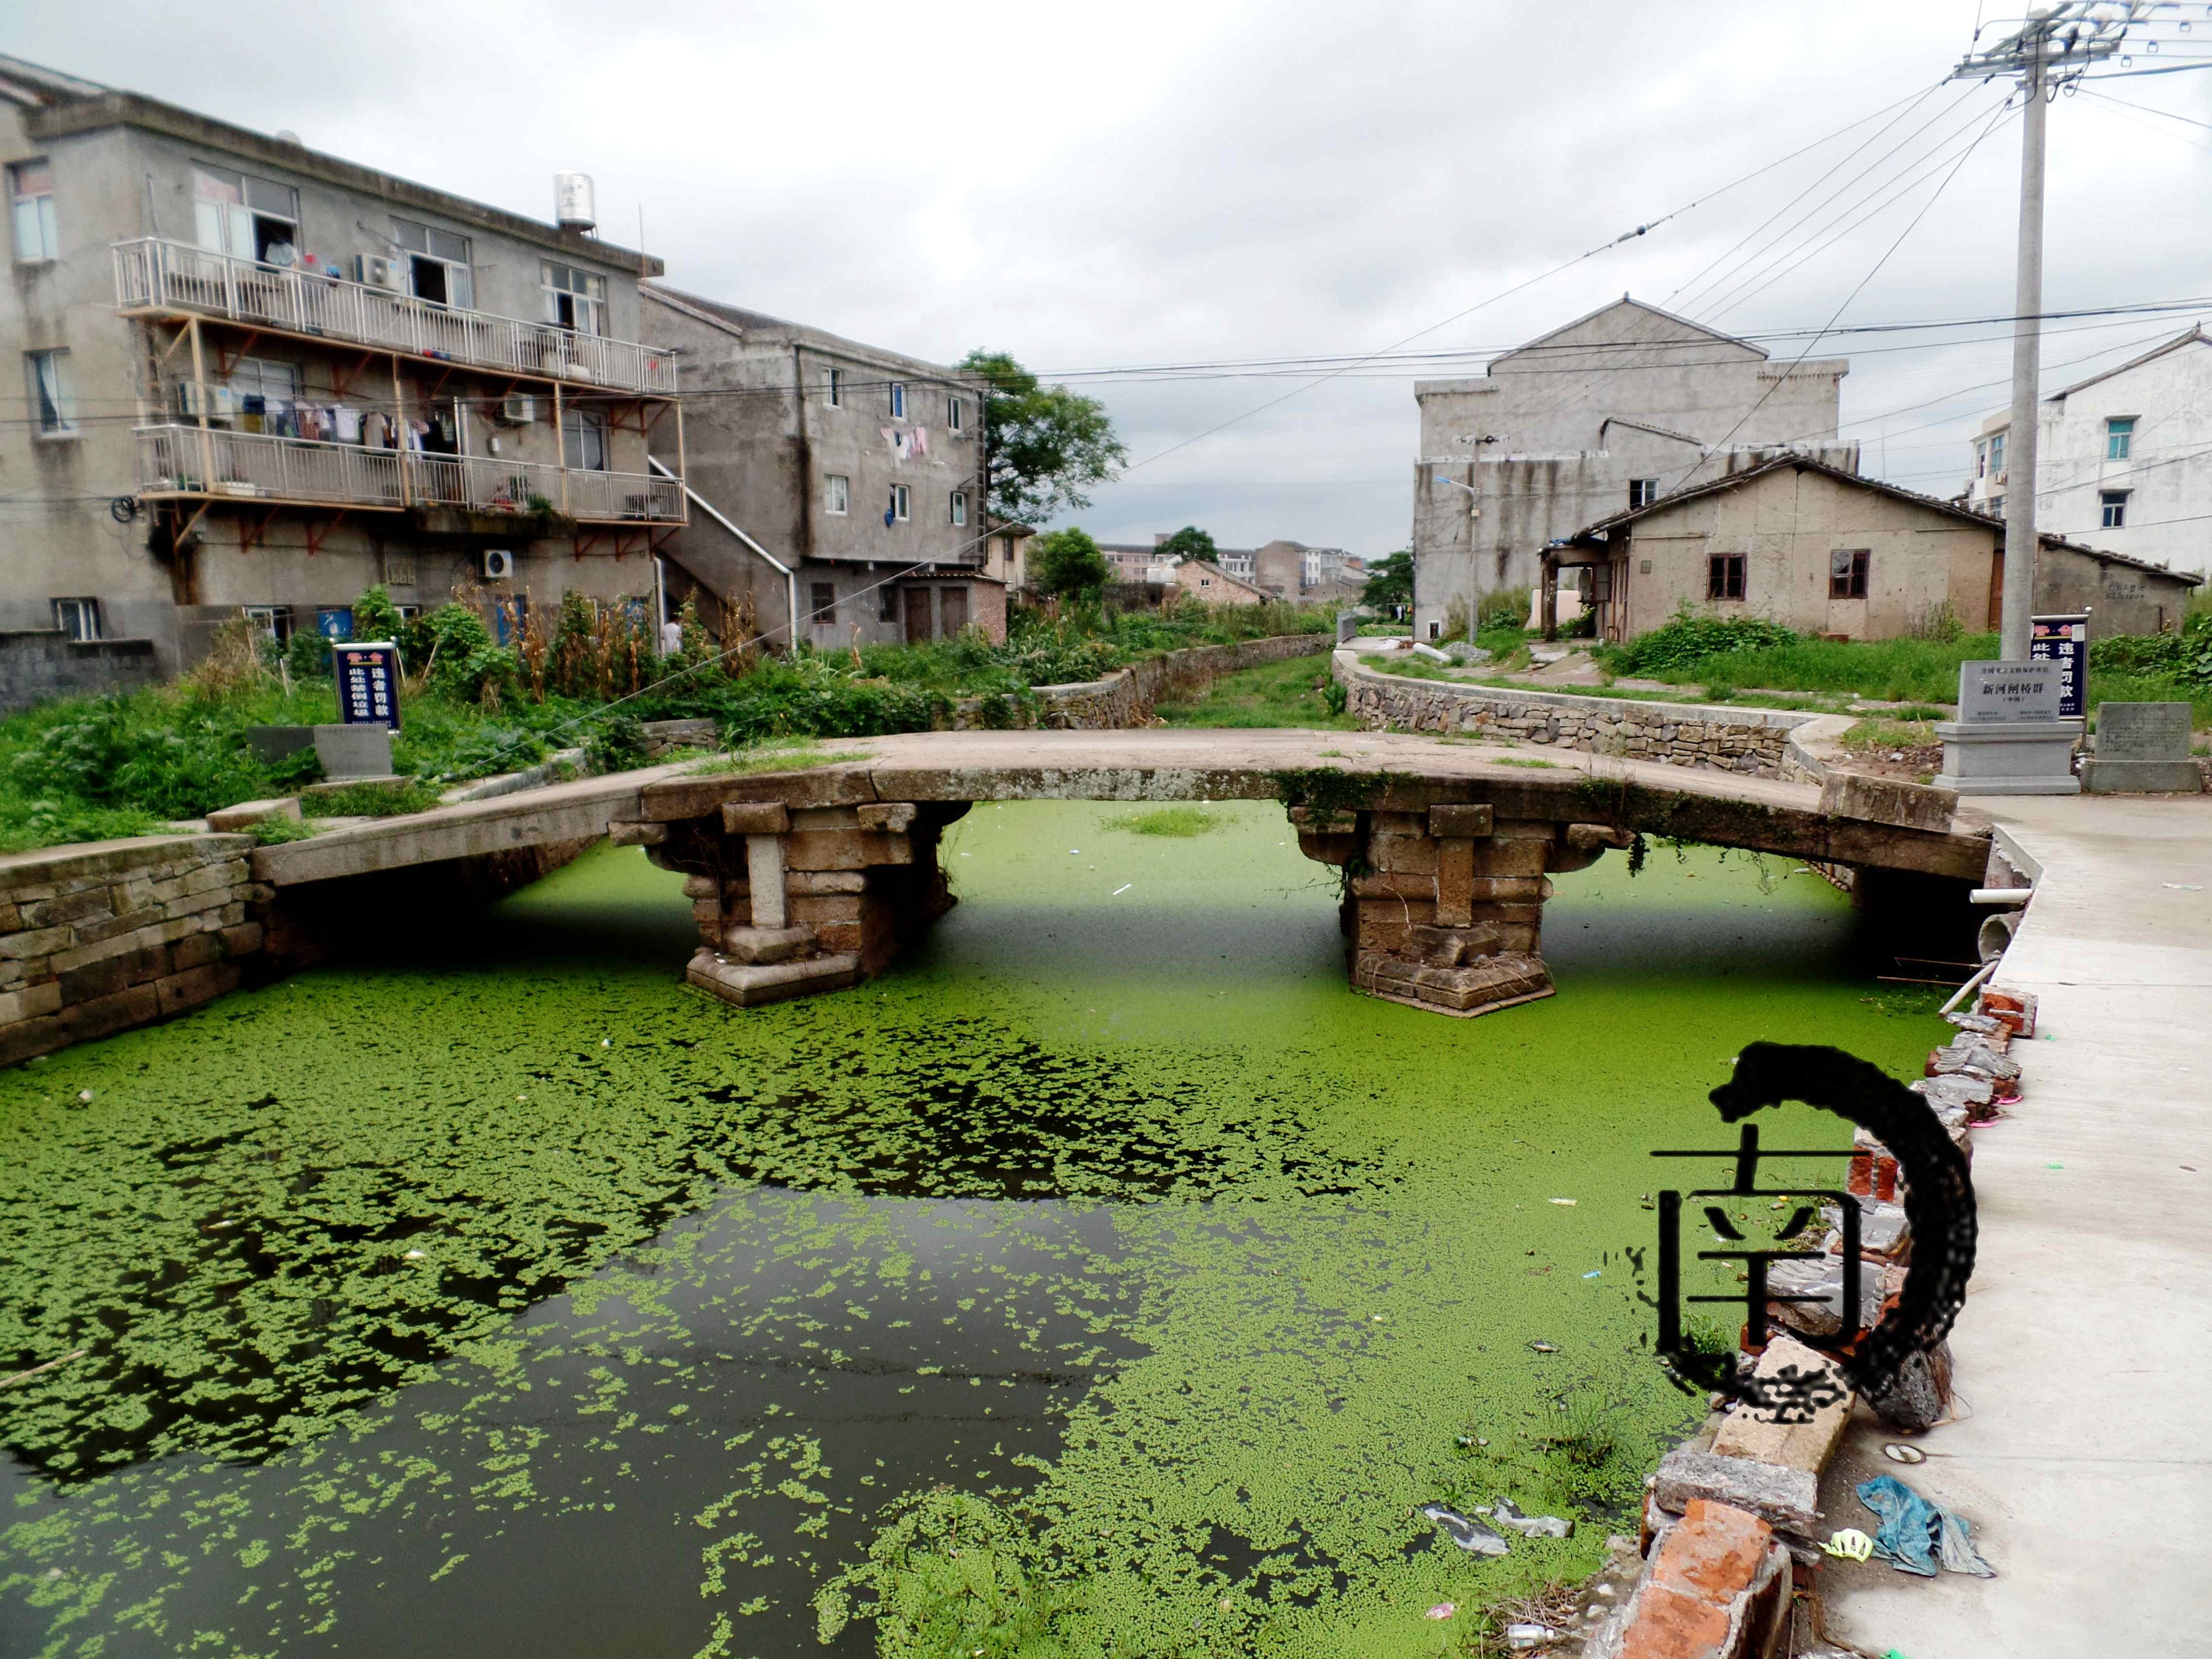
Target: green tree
{"points": [[1043, 446], [1389, 582], [1189, 542], [1068, 564]]}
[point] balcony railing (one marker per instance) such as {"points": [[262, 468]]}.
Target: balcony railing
{"points": [[153, 272], [186, 460]]}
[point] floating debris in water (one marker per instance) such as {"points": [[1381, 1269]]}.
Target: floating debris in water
{"points": [[1567, 1201], [1464, 1530], [1443, 1610], [1544, 1347]]}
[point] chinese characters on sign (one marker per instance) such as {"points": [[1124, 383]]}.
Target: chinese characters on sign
{"points": [[368, 683], [2008, 693], [2064, 641]]}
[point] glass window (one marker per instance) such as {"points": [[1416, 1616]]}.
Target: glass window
{"points": [[31, 210], [1642, 492], [825, 604], [956, 414], [898, 401], [439, 267], [2119, 437], [261, 394], [836, 388], [584, 439], [1724, 576], [1997, 506], [1847, 572], [79, 619], [960, 507], [902, 502], [1996, 456], [840, 493], [247, 218], [1981, 461], [887, 603], [270, 621], [2112, 506], [574, 299], [52, 406]]}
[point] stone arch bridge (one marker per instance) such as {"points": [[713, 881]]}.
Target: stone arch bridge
{"points": [[809, 880]]}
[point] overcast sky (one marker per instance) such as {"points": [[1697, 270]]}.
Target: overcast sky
{"points": [[1198, 182]]}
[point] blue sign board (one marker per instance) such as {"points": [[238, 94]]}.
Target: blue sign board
{"points": [[368, 683], [2064, 641]]}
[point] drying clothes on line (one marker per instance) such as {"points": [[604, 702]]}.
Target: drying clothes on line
{"points": [[345, 423], [919, 442], [901, 444]]}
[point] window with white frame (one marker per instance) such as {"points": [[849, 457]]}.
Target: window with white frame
{"points": [[30, 211], [261, 391], [272, 622], [246, 217], [902, 502], [1997, 506], [2119, 437], [898, 400], [839, 496], [439, 269], [960, 507], [837, 387], [1996, 456], [2112, 509], [575, 299], [1642, 492], [1981, 461], [53, 406], [78, 619], [956, 414]]}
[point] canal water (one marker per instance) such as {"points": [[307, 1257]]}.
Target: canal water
{"points": [[1109, 1261]]}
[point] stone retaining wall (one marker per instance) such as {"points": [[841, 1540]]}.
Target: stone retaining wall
{"points": [[1749, 740], [1128, 698], [99, 938]]}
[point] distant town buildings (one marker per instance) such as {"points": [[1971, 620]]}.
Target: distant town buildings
{"points": [[1608, 412], [2123, 457]]}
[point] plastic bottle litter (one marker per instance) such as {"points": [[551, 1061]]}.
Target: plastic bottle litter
{"points": [[1523, 1637]]}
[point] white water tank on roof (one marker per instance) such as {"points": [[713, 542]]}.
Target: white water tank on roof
{"points": [[573, 208]]}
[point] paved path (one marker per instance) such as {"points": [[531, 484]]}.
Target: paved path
{"points": [[2085, 1348]]}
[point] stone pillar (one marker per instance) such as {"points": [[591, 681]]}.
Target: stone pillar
{"points": [[1443, 908], [829, 895]]}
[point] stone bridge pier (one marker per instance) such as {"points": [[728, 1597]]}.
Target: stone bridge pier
{"points": [[1444, 907]]}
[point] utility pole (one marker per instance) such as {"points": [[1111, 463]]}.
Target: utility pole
{"points": [[2057, 44]]}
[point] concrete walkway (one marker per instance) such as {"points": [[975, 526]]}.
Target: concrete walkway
{"points": [[2085, 1347]]}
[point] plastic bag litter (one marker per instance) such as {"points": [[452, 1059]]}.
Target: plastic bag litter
{"points": [[1464, 1530], [1914, 1534], [1507, 1513]]}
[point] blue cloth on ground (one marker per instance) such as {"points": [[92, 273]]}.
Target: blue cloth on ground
{"points": [[1916, 1535]]}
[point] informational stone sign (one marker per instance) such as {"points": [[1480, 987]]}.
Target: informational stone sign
{"points": [[368, 683], [2064, 641], [2009, 693], [2142, 749]]}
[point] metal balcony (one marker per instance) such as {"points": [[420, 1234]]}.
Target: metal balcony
{"points": [[151, 274], [210, 463]]}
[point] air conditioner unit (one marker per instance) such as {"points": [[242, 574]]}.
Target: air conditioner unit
{"points": [[218, 402], [377, 271], [498, 564], [518, 410]]}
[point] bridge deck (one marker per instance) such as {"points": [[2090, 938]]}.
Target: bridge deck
{"points": [[1731, 809]]}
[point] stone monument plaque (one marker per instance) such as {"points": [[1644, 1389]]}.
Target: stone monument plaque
{"points": [[2142, 748], [2009, 693]]}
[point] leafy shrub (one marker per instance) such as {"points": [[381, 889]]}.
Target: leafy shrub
{"points": [[1687, 637], [2184, 658], [617, 744], [1505, 607], [370, 800], [952, 1574]]}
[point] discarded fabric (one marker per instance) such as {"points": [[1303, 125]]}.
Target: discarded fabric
{"points": [[1916, 1535], [1464, 1530], [1506, 1513]]}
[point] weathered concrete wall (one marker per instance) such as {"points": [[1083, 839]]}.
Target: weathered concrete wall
{"points": [[1128, 698], [100, 938], [1751, 740], [38, 666]]}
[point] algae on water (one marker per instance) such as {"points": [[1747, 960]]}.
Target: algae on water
{"points": [[505, 1294]]}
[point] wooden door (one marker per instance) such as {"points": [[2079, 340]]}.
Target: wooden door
{"points": [[917, 616], [953, 611], [1996, 621]]}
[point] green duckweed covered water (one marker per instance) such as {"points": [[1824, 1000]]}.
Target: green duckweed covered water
{"points": [[508, 1297]]}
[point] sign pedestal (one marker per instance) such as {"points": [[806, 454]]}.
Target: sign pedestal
{"points": [[2009, 738], [2142, 749]]}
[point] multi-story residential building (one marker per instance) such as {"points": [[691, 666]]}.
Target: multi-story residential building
{"points": [[260, 378], [2123, 459], [1007, 555], [840, 479], [1612, 410]]}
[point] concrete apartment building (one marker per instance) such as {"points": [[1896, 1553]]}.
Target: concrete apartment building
{"points": [[1617, 408], [2123, 457], [1823, 550], [842, 478], [259, 378]]}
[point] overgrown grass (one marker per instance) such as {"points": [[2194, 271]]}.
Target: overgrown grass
{"points": [[1178, 821], [785, 757], [1295, 692], [369, 801]]}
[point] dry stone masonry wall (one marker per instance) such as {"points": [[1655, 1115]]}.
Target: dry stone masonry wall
{"points": [[100, 938], [1748, 741]]}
